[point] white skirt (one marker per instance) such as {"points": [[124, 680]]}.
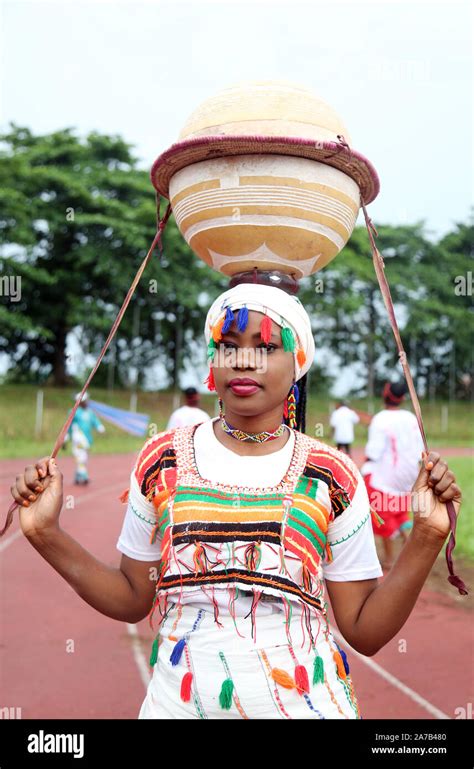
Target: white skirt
{"points": [[204, 670]]}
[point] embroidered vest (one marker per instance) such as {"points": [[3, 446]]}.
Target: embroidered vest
{"points": [[269, 541]]}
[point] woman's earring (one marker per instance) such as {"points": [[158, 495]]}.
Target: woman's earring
{"points": [[289, 410], [221, 408]]}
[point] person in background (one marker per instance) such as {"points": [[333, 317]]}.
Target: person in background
{"points": [[190, 413], [392, 463], [81, 434], [342, 424]]}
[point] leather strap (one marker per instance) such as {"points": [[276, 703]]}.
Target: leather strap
{"points": [[113, 331], [379, 266]]}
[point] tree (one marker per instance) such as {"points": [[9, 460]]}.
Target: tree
{"points": [[77, 219]]}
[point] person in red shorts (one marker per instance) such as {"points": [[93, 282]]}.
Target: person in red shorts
{"points": [[393, 455]]}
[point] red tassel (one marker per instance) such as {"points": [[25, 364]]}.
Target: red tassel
{"points": [[301, 678], [210, 380], [285, 409], [266, 329], [186, 687]]}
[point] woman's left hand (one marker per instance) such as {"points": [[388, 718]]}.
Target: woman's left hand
{"points": [[435, 485]]}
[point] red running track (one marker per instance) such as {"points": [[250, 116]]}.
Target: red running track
{"points": [[425, 672]]}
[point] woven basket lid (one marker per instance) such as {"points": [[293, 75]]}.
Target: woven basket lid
{"points": [[264, 117]]}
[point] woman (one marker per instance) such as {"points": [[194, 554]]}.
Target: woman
{"points": [[233, 526]]}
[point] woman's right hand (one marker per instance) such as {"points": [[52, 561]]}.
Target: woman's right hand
{"points": [[39, 494]]}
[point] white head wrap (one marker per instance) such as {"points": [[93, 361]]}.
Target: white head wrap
{"points": [[284, 309]]}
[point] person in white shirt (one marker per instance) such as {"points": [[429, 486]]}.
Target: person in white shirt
{"points": [[342, 423], [190, 413], [393, 455]]}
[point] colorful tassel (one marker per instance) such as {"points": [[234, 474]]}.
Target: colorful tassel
{"points": [[211, 385], [283, 678], [307, 583], [288, 339], [186, 684], [177, 652], [285, 408], [252, 556], [328, 552], [318, 670], [341, 670], [301, 357], [124, 495], [225, 697], [376, 517], [199, 558], [344, 659], [301, 678], [296, 392], [228, 320], [217, 330], [211, 349], [266, 329], [154, 533], [160, 497], [243, 319], [154, 652]]}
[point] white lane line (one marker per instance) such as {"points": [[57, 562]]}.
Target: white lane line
{"points": [[435, 712], [4, 543], [140, 659]]}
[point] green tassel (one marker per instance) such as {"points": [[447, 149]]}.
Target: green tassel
{"points": [[225, 697], [288, 339], [318, 670], [154, 652], [211, 349]]}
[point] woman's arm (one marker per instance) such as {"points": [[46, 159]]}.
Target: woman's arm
{"points": [[369, 613], [124, 594]]}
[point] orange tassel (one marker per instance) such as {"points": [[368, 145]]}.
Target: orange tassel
{"points": [[153, 534], [211, 385], [301, 357], [161, 497], [283, 678], [301, 678], [306, 579], [376, 519], [328, 552], [341, 670], [124, 495], [266, 329], [217, 329], [199, 559], [186, 687]]}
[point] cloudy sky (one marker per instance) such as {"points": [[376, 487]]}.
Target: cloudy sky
{"points": [[399, 74]]}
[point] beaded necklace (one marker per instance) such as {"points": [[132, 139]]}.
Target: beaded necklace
{"points": [[242, 435]]}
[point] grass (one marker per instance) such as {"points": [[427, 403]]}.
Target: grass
{"points": [[463, 469], [18, 407]]}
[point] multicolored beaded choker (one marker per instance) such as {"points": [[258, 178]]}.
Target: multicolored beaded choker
{"points": [[241, 435]]}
